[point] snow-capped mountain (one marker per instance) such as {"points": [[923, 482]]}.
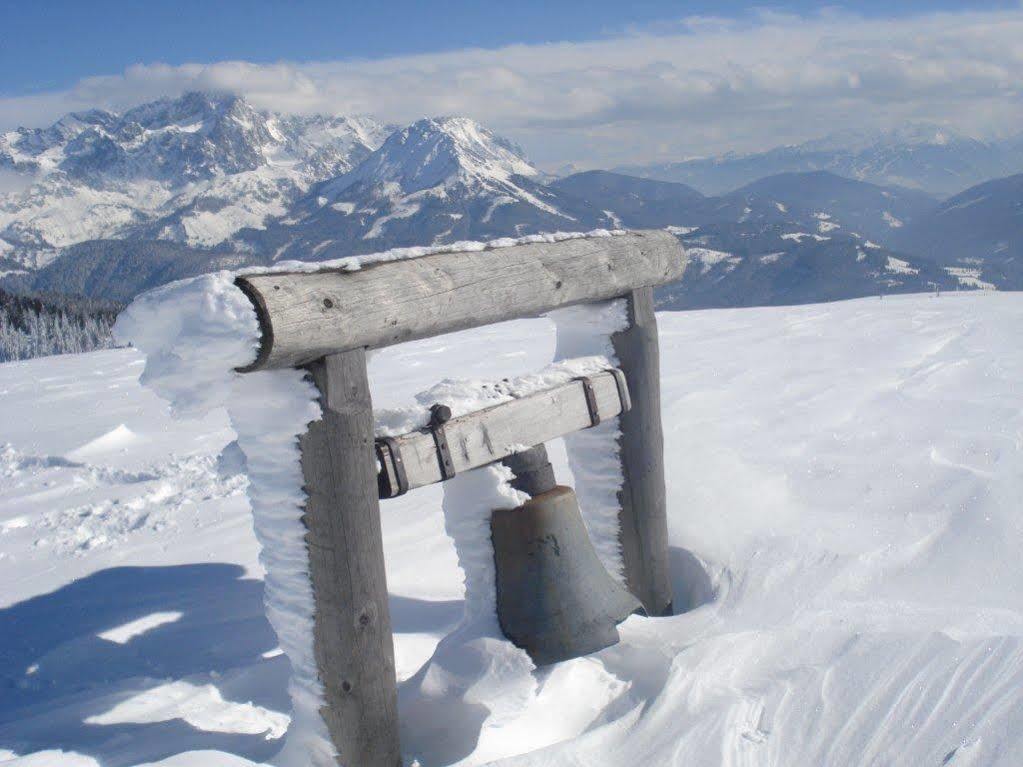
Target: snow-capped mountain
{"points": [[175, 188], [438, 180], [192, 170], [932, 159]]}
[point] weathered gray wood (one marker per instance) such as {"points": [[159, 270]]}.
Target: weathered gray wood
{"points": [[352, 631], [488, 435], [643, 517], [304, 316]]}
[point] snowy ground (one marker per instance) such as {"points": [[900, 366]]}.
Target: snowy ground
{"points": [[844, 485]]}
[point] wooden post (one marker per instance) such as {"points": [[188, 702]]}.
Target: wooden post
{"points": [[352, 633], [643, 519]]}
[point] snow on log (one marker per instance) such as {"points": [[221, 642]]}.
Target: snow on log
{"points": [[305, 315]]}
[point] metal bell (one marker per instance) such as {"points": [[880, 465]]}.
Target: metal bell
{"points": [[554, 597]]}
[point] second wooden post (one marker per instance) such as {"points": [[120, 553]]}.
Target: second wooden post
{"points": [[643, 518]]}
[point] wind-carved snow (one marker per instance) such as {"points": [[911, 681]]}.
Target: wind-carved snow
{"points": [[202, 707], [843, 484], [128, 631]]}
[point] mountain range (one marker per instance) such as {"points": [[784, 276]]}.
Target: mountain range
{"points": [[932, 159], [193, 170], [110, 205]]}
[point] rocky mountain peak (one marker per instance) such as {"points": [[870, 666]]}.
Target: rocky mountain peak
{"points": [[441, 151]]}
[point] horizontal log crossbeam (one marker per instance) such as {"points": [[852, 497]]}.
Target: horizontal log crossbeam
{"points": [[304, 316]]}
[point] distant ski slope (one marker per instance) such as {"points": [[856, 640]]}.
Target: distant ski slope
{"points": [[844, 484]]}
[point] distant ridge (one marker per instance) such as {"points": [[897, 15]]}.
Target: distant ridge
{"points": [[932, 159]]}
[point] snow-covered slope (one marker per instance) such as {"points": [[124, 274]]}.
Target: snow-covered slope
{"points": [[194, 170], [843, 489], [436, 181]]}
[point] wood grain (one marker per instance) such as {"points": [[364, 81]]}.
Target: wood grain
{"points": [[488, 435], [305, 316], [643, 516], [352, 629]]}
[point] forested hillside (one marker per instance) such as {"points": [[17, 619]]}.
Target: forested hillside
{"points": [[38, 325]]}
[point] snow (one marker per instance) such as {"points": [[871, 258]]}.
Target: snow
{"points": [[681, 230], [969, 277], [798, 236], [898, 266], [401, 210], [195, 333], [708, 258], [125, 633], [614, 218], [843, 484], [435, 157], [206, 205], [891, 220]]}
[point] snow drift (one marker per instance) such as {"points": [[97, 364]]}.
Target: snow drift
{"points": [[843, 485], [196, 332]]}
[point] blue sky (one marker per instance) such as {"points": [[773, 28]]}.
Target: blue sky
{"points": [[51, 44]]}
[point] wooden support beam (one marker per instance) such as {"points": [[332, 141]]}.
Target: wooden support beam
{"points": [[643, 517], [304, 316], [489, 435], [352, 629]]}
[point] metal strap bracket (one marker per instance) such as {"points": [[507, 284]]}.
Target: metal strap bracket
{"points": [[392, 480], [623, 389], [591, 399], [440, 415]]}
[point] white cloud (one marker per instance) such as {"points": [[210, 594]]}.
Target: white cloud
{"points": [[703, 85]]}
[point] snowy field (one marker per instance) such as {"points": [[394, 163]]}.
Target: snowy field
{"points": [[844, 489]]}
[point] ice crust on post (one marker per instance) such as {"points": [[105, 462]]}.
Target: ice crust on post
{"points": [[593, 454], [195, 333]]}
